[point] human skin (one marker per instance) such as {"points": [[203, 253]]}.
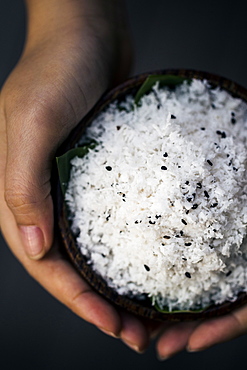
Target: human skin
{"points": [[75, 50]]}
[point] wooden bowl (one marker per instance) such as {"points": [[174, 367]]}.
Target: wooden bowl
{"points": [[142, 308]]}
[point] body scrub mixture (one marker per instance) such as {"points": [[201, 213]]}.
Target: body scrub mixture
{"points": [[159, 206]]}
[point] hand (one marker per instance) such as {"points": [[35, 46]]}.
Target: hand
{"points": [[198, 336], [74, 51]]}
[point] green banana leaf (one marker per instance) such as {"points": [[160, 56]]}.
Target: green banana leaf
{"points": [[64, 163], [164, 80], [165, 310]]}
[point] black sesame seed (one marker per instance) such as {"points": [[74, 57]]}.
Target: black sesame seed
{"points": [[152, 222], [221, 133], [158, 106], [189, 199], [202, 128], [214, 205], [165, 154], [187, 274], [108, 168], [107, 218], [118, 127], [213, 105], [187, 244], [233, 121], [233, 114], [195, 206], [187, 182], [181, 232], [173, 117], [206, 194], [183, 221], [147, 267], [187, 212], [209, 162], [166, 237], [179, 166], [199, 185], [235, 169], [157, 216], [228, 273], [164, 168], [177, 236], [183, 258], [214, 230], [136, 222]]}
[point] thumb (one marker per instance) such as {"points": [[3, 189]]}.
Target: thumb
{"points": [[27, 182]]}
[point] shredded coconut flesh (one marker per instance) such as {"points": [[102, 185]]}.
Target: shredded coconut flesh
{"points": [[159, 207]]}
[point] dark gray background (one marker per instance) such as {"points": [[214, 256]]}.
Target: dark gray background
{"points": [[37, 332]]}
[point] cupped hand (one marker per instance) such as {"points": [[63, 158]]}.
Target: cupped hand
{"points": [[75, 50]]}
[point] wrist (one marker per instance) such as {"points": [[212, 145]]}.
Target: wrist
{"points": [[75, 23], [48, 16], [47, 19]]}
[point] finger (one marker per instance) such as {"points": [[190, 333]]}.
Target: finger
{"points": [[154, 327], [218, 330], [32, 136], [174, 339], [134, 333], [61, 280]]}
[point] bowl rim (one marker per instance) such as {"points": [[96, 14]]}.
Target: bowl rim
{"points": [[137, 307]]}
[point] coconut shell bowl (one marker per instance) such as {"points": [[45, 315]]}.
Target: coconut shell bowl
{"points": [[143, 308]]}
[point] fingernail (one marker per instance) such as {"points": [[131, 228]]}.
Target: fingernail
{"points": [[109, 333], [163, 358], [134, 347], [33, 240], [189, 349]]}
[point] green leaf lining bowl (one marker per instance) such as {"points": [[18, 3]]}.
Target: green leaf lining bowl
{"points": [[136, 86]]}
